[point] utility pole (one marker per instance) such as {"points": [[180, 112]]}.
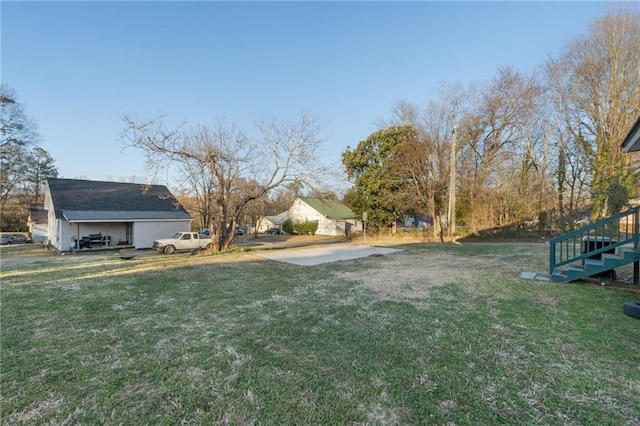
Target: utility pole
{"points": [[451, 216], [364, 225]]}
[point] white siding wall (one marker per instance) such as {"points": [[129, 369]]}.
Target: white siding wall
{"points": [[302, 212], [144, 233], [40, 232], [66, 235], [329, 227], [52, 226]]}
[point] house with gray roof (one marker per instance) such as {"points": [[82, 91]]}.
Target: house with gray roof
{"points": [[267, 223], [85, 213]]}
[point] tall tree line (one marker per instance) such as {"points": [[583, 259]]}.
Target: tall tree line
{"points": [[24, 166], [539, 150]]}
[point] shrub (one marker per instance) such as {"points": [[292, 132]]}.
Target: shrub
{"points": [[287, 226], [306, 228]]}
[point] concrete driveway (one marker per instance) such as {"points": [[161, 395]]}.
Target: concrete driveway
{"points": [[324, 254]]}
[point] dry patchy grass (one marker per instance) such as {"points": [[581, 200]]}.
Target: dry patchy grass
{"points": [[436, 334]]}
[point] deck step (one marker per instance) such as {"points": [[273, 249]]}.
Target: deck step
{"points": [[575, 272], [629, 254], [608, 257], [559, 276]]}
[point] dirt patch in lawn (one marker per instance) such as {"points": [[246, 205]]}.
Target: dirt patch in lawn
{"points": [[413, 275]]}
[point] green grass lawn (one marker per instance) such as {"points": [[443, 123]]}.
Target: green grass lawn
{"points": [[437, 334]]}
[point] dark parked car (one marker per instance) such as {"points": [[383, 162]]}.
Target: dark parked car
{"points": [[238, 231], [19, 239], [274, 231], [13, 239]]}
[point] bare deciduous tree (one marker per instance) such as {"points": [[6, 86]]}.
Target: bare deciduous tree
{"points": [[224, 167], [488, 134], [602, 70]]}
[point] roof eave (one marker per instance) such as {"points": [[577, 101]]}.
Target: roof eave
{"points": [[632, 141], [92, 216], [132, 220]]}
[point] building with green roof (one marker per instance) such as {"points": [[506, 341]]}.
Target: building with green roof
{"points": [[333, 217]]}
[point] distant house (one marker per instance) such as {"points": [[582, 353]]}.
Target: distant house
{"points": [[37, 222], [269, 222], [418, 221], [333, 217], [110, 213]]}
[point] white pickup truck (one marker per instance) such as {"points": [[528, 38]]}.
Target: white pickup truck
{"points": [[182, 241]]}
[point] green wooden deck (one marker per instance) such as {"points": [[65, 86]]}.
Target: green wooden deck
{"points": [[596, 248]]}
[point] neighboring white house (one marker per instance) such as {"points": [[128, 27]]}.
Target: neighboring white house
{"points": [[333, 217], [125, 214], [37, 223], [269, 222]]}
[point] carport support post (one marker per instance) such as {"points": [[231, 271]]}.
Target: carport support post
{"points": [[451, 216]]}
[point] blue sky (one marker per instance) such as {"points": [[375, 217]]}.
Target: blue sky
{"points": [[79, 66]]}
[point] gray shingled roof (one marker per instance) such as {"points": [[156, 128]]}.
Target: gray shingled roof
{"points": [[278, 219], [111, 201]]}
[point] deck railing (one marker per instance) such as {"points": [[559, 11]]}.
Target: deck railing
{"points": [[599, 237]]}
